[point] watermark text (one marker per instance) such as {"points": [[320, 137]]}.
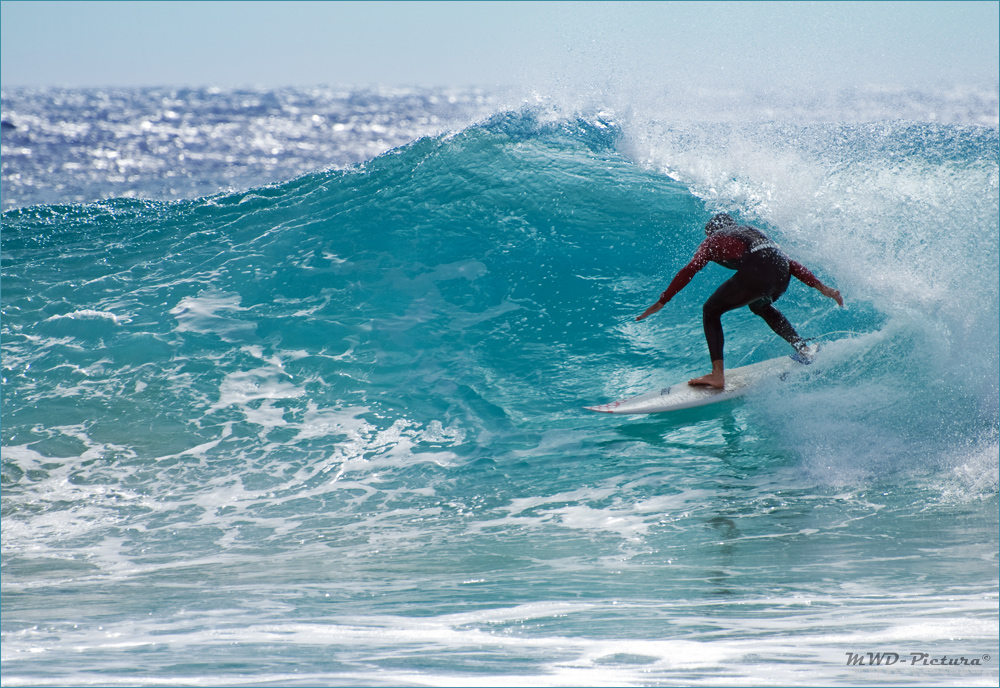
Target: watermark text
{"points": [[884, 659]]}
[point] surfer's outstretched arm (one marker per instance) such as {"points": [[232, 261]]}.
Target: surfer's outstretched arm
{"points": [[681, 279], [832, 293], [804, 275], [649, 311]]}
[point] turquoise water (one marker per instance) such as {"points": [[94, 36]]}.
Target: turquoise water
{"points": [[329, 431]]}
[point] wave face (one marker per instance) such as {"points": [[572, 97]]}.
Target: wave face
{"points": [[330, 430]]}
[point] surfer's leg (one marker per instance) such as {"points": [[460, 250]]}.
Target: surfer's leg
{"points": [[777, 322], [773, 274], [730, 295]]}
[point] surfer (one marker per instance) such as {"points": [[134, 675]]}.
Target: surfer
{"points": [[762, 276]]}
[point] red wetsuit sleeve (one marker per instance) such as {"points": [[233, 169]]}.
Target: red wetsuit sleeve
{"points": [[714, 248], [801, 273], [684, 276]]}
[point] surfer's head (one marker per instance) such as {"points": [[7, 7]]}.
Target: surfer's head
{"points": [[720, 221]]}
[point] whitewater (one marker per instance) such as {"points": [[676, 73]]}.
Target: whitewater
{"points": [[293, 387]]}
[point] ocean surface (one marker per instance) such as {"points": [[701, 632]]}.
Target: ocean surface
{"points": [[293, 381]]}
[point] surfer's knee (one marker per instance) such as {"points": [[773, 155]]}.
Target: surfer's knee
{"points": [[763, 308], [711, 311]]}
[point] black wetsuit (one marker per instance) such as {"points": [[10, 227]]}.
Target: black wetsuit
{"points": [[762, 276]]}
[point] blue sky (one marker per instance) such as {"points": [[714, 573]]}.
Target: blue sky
{"points": [[770, 44]]}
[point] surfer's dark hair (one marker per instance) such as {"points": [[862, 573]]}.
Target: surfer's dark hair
{"points": [[720, 221]]}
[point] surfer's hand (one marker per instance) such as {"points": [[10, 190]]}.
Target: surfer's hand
{"points": [[649, 311], [833, 294]]}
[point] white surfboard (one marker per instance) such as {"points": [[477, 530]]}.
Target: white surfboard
{"points": [[683, 396]]}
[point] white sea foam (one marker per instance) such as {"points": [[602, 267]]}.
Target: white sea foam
{"points": [[90, 314], [759, 651]]}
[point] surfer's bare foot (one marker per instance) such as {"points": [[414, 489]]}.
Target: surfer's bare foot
{"points": [[716, 379], [710, 380]]}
